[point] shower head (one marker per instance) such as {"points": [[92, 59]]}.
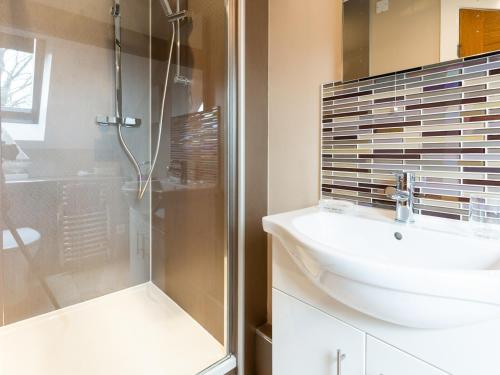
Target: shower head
{"points": [[166, 7], [171, 15]]}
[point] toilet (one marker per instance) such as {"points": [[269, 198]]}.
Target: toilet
{"points": [[17, 273]]}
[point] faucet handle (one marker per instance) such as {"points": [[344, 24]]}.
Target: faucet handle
{"points": [[391, 192], [395, 194], [404, 174], [400, 179]]}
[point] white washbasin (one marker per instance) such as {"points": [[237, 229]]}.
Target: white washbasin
{"points": [[438, 275]]}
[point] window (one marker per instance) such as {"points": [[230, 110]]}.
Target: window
{"points": [[21, 70]]}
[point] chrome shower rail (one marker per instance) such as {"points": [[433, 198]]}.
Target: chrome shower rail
{"points": [[177, 18], [118, 118]]}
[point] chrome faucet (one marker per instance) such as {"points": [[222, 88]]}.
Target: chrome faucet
{"points": [[403, 194]]}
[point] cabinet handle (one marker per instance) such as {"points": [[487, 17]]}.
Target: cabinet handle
{"points": [[340, 358]]}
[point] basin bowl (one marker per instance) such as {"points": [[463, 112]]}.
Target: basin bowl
{"points": [[434, 273]]}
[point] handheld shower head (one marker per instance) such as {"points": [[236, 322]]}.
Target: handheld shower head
{"points": [[171, 15], [166, 7]]}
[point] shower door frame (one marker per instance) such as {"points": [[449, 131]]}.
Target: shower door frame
{"points": [[232, 175]]}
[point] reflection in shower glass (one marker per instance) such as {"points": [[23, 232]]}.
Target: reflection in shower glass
{"points": [[62, 175]]}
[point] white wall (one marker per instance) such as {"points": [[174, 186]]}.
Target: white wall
{"points": [[305, 44], [304, 51], [416, 40], [450, 23]]}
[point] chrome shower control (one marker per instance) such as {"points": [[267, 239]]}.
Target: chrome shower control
{"points": [[128, 122]]}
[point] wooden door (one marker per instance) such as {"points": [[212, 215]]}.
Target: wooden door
{"points": [[479, 31]]}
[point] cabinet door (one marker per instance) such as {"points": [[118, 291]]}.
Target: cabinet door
{"points": [[383, 359], [138, 247], [308, 341]]}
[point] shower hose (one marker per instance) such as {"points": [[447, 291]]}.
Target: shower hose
{"points": [[143, 185]]}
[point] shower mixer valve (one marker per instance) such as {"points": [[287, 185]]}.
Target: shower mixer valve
{"points": [[128, 122]]}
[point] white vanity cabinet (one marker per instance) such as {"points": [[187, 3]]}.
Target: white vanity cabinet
{"points": [[308, 341], [383, 359]]}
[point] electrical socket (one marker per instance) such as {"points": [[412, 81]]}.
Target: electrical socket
{"points": [[382, 6]]}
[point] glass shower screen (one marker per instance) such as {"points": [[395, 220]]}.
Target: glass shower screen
{"points": [[93, 278]]}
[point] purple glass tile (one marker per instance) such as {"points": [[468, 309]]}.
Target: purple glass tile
{"points": [[350, 114], [447, 103], [481, 182], [389, 156], [482, 118], [443, 86], [347, 96], [440, 214], [391, 125], [389, 99]]}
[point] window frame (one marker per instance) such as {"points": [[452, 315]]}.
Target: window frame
{"points": [[37, 48]]}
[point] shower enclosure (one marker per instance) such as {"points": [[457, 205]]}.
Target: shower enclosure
{"points": [[97, 277]]}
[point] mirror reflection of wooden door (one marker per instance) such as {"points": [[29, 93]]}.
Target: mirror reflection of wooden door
{"points": [[479, 31]]}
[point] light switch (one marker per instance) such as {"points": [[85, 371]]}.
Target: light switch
{"points": [[382, 6]]}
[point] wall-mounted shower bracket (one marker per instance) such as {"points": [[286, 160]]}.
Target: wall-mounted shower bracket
{"points": [[182, 80], [115, 10], [178, 16], [128, 122]]}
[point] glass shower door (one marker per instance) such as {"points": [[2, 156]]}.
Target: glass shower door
{"points": [[190, 240]]}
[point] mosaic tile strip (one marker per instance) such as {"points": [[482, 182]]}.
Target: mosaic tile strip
{"points": [[441, 121], [194, 140]]}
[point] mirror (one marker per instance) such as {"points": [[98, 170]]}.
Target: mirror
{"points": [[384, 36]]}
